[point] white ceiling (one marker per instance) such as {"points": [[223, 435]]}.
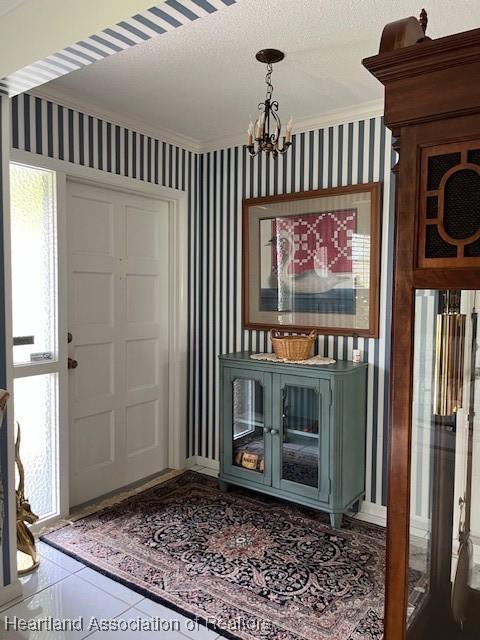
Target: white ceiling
{"points": [[202, 81]]}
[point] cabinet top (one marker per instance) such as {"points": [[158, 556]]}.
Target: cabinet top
{"points": [[341, 366]]}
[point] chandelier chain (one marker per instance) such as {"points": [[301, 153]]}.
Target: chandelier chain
{"points": [[268, 80]]}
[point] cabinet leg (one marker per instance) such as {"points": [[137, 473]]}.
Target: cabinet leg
{"points": [[336, 520], [223, 486]]}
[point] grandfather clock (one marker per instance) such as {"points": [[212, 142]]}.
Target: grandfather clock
{"points": [[432, 106]]}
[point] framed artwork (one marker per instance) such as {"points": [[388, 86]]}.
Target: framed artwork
{"points": [[311, 261]]}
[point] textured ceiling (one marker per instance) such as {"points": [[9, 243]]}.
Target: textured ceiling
{"points": [[8, 5], [202, 81]]}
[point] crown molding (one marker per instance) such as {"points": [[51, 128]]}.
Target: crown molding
{"points": [[165, 135], [425, 57], [371, 109]]}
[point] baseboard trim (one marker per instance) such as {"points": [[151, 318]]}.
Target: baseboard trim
{"points": [[208, 462], [373, 513], [191, 462], [200, 461], [370, 512], [10, 592]]}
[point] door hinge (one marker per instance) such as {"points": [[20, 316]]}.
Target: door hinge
{"points": [[329, 486], [331, 396]]}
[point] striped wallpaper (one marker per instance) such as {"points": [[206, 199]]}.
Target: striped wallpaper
{"points": [[45, 128], [343, 154], [134, 30], [216, 182]]}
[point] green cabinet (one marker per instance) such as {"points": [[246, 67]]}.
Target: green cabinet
{"points": [[295, 431]]}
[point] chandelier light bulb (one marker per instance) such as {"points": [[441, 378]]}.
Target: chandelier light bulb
{"points": [[288, 135], [250, 133]]}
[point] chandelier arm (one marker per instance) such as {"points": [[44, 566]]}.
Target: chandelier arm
{"points": [[258, 121], [275, 137], [286, 146]]}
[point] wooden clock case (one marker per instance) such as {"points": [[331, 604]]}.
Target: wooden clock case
{"points": [[432, 106]]}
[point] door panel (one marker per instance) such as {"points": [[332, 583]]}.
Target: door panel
{"points": [[301, 446], [93, 286], [94, 379], [98, 427], [118, 316], [141, 363], [92, 228], [142, 229], [142, 436], [247, 426]]}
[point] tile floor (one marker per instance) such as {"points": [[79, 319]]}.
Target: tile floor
{"points": [[63, 588]]}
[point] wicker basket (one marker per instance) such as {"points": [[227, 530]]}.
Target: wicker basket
{"points": [[292, 347]]}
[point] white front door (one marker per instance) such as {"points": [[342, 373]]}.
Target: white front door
{"points": [[118, 263]]}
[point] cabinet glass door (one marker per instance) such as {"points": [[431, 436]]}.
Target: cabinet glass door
{"points": [[444, 545], [248, 455], [300, 450], [299, 442]]}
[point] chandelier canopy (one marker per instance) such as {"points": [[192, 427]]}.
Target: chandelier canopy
{"points": [[264, 134]]}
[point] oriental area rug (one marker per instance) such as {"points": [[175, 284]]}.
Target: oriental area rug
{"points": [[249, 566]]}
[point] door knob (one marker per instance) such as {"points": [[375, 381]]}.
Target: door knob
{"points": [[72, 364], [273, 431]]}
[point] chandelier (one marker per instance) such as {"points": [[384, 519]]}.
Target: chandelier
{"points": [[265, 134]]}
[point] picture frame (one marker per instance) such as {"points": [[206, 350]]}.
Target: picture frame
{"points": [[311, 260]]}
